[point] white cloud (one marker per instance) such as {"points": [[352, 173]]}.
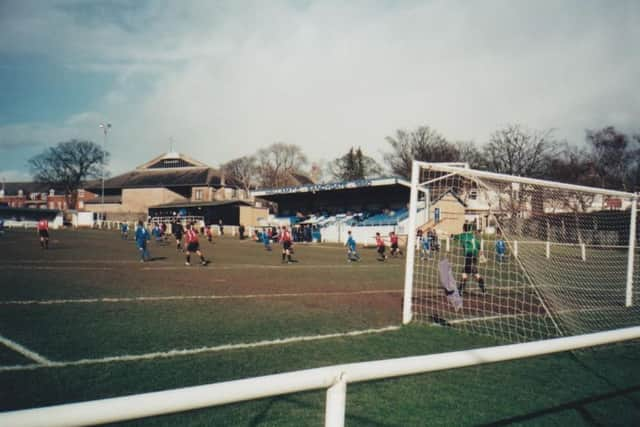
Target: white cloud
{"points": [[225, 79]]}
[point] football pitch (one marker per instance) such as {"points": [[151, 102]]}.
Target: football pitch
{"points": [[86, 320]]}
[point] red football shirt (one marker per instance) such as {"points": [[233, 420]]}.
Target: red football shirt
{"points": [[286, 236], [192, 236]]}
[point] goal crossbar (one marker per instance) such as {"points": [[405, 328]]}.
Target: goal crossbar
{"points": [[522, 180]]}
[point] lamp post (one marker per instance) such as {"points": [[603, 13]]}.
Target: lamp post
{"points": [[105, 128]]}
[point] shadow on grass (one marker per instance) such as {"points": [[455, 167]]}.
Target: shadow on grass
{"points": [[586, 367], [576, 405], [262, 417]]}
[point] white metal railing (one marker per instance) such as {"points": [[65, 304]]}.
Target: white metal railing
{"points": [[333, 378]]}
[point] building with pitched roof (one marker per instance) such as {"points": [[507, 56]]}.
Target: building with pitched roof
{"points": [[38, 195], [171, 178]]}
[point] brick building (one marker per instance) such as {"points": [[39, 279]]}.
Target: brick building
{"points": [[171, 178], [40, 196]]}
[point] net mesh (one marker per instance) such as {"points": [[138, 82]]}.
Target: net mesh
{"points": [[521, 261]]}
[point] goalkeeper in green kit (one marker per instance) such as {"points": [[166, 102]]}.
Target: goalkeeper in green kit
{"points": [[471, 248]]}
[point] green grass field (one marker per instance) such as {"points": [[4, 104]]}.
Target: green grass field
{"points": [[105, 324]]}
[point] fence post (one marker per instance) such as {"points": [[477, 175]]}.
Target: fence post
{"points": [[336, 403], [632, 250], [515, 248], [548, 249], [583, 251], [448, 244]]}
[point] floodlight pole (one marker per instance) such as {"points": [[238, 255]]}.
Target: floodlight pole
{"points": [[105, 128]]}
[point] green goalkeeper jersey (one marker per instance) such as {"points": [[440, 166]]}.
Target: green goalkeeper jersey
{"points": [[470, 244]]}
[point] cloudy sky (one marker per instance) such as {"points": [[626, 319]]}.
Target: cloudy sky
{"points": [[222, 79]]}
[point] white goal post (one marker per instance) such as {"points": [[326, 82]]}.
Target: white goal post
{"points": [[518, 258]]}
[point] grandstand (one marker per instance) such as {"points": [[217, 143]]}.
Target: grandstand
{"points": [[366, 205]]}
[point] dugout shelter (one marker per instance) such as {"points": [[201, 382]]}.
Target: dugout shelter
{"points": [[29, 217], [231, 212]]}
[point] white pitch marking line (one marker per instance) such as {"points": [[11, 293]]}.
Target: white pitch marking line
{"points": [[162, 266], [43, 361], [71, 261], [531, 314], [189, 352], [275, 267], [60, 268], [194, 297]]}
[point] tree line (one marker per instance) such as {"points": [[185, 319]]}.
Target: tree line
{"points": [[608, 159]]}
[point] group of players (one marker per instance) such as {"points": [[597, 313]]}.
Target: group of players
{"points": [[189, 235], [188, 241], [191, 244]]}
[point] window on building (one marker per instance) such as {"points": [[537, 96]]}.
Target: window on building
{"points": [[473, 195], [171, 163], [198, 195]]}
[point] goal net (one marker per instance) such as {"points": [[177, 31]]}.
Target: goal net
{"points": [[519, 259]]}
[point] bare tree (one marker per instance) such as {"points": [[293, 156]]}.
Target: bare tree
{"points": [[354, 165], [613, 155], [574, 166], [423, 144], [278, 163], [67, 165], [318, 171], [516, 151], [633, 171], [469, 153], [242, 171]]}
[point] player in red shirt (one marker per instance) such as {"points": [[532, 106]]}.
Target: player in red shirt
{"points": [[43, 232], [285, 239], [381, 247], [192, 245], [395, 249]]}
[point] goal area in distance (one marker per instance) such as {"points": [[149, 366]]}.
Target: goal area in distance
{"points": [[555, 259]]}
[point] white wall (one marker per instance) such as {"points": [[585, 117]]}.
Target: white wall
{"points": [[337, 233]]}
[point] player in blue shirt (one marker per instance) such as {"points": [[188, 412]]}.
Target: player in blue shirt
{"points": [[425, 245], [266, 240], [142, 236], [124, 230], [501, 248], [157, 233], [352, 253]]}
